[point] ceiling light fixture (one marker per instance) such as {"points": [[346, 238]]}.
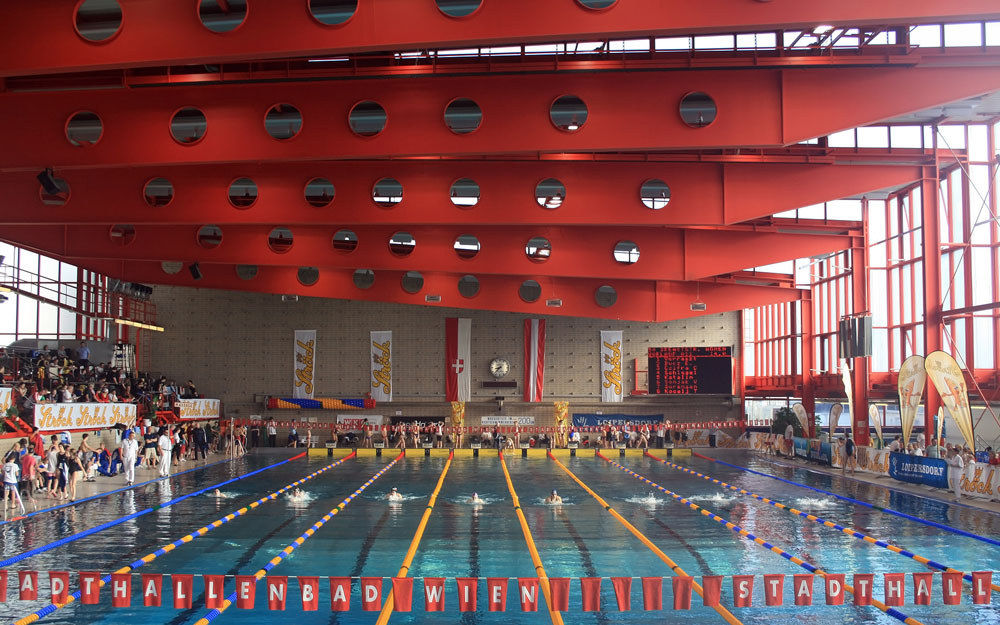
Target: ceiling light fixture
{"points": [[136, 324]]}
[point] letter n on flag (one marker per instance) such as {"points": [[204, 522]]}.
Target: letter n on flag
{"points": [[527, 588], [458, 359], [277, 592], [534, 358], [433, 594]]}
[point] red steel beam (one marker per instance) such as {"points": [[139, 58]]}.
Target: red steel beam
{"points": [[628, 111], [664, 253], [597, 193], [39, 37]]}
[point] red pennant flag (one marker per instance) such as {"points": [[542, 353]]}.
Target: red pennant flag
{"points": [[58, 583], [182, 585], [835, 589], [402, 594], [894, 588], [3, 586], [371, 594], [28, 585], [527, 588], [711, 586], [121, 590], [863, 588], [951, 587], [496, 589], [559, 591], [340, 594], [682, 592], [466, 593], [803, 587], [277, 592], [981, 587], [652, 593], [922, 583], [774, 586], [246, 591], [433, 594], [309, 589], [623, 592], [742, 590], [591, 588], [215, 589], [152, 590]]}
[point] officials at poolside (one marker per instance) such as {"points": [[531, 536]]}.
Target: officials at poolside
{"points": [[166, 446]]}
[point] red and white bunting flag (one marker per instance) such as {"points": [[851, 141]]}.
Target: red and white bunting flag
{"points": [[340, 594], [458, 359], [182, 586], [981, 587], [246, 591], [534, 359], [559, 591], [433, 594], [277, 592], [803, 587], [467, 588], [951, 587], [835, 589], [215, 590], [922, 583], [121, 590], [3, 586], [591, 590], [742, 590], [309, 589], [894, 588], [371, 594], [774, 586], [58, 583], [711, 586], [402, 594], [27, 582], [682, 592], [496, 589], [623, 592], [527, 589], [152, 590], [652, 593], [863, 583]]}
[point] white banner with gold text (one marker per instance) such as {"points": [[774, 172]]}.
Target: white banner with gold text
{"points": [[6, 397], [381, 362], [612, 381], [193, 409], [305, 364], [74, 417]]}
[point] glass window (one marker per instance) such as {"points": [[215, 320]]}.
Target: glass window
{"points": [[957, 35], [928, 36], [982, 276], [905, 136], [984, 342]]}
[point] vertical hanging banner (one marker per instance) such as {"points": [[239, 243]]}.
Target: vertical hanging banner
{"points": [[381, 346], [845, 374], [876, 419], [912, 380], [835, 419], [305, 364], [949, 381], [803, 417], [612, 384], [534, 358], [458, 359]]}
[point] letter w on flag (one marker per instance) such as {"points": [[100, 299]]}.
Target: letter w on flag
{"points": [[458, 360]]}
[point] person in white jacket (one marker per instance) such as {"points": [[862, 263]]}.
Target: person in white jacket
{"points": [[166, 446], [130, 451]]}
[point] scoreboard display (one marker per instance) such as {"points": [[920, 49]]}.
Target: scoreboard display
{"points": [[691, 370]]}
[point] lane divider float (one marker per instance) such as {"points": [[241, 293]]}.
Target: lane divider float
{"points": [[893, 612]]}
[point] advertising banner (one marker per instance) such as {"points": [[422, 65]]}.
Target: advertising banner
{"points": [[6, 396], [802, 416], [918, 470], [800, 446], [356, 421], [193, 409], [305, 364], [845, 374], [912, 380], [876, 419], [835, 413], [612, 385], [949, 381], [981, 481], [381, 363], [584, 420], [871, 460], [506, 420], [820, 452], [76, 417]]}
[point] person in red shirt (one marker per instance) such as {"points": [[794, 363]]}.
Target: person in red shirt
{"points": [[28, 466], [102, 397], [38, 444]]}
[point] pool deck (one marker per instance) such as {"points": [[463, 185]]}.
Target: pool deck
{"points": [[462, 452]]}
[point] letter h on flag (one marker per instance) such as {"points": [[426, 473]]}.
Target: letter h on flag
{"points": [[534, 358], [458, 360]]}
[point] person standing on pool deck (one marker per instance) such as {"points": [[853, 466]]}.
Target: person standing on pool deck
{"points": [[11, 477], [850, 453], [149, 450], [130, 450], [957, 465], [165, 448]]}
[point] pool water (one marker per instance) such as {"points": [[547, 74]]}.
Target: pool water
{"points": [[577, 539]]}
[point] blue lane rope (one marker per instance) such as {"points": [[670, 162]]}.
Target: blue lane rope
{"points": [[110, 492], [119, 521], [902, 515]]}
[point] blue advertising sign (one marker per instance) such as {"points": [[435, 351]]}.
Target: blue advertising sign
{"points": [[919, 470], [820, 452], [801, 446], [590, 420]]}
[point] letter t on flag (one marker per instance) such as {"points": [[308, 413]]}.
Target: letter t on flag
{"points": [[458, 359], [534, 359]]}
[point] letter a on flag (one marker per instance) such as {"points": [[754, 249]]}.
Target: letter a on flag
{"points": [[803, 585], [152, 590], [340, 594], [458, 359], [922, 583], [28, 584]]}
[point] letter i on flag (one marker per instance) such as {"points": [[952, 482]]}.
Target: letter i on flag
{"points": [[534, 358], [458, 359]]}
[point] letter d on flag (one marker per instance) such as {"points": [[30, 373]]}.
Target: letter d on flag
{"points": [[58, 582], [835, 589], [371, 594]]}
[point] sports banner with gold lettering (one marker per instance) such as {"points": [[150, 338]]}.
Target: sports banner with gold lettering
{"points": [[912, 380], [198, 409], [82, 417], [381, 362], [612, 383], [876, 419], [305, 364], [949, 381], [6, 397]]}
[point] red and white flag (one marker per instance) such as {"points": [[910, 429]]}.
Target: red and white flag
{"points": [[534, 358], [458, 359]]}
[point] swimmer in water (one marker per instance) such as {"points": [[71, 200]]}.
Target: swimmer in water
{"points": [[475, 499], [298, 495], [553, 498], [394, 495], [218, 494]]}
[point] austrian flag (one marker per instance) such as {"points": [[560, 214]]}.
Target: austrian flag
{"points": [[458, 360]]}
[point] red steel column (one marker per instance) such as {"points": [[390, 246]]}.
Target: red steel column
{"points": [[859, 298], [808, 359], [931, 233]]}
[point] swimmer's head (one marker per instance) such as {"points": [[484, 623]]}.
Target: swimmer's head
{"points": [[394, 489], [554, 492]]}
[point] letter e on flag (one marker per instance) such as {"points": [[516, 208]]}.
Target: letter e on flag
{"points": [[497, 589], [246, 591]]}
